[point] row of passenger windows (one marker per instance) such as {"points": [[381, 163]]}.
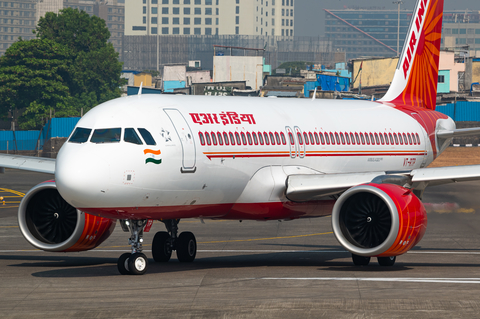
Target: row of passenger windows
{"points": [[112, 135], [335, 138]]}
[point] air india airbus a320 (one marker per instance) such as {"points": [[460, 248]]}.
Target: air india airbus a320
{"points": [[162, 157]]}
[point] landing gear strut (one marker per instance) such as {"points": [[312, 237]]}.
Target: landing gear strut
{"points": [[165, 242], [134, 263]]}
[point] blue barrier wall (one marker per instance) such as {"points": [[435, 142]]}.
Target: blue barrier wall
{"points": [[327, 83], [31, 140], [462, 112]]}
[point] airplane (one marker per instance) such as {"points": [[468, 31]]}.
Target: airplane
{"points": [[162, 157]]}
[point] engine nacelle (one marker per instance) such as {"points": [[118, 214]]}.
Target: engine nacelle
{"points": [[379, 220], [49, 223]]}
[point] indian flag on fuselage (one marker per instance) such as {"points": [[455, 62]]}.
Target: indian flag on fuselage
{"points": [[153, 156]]}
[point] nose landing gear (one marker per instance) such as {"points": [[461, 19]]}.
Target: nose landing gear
{"points": [[134, 263], [165, 242]]}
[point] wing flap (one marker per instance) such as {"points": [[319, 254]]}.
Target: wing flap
{"points": [[28, 163], [302, 188]]}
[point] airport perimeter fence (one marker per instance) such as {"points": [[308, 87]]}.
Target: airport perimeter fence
{"points": [[18, 141], [461, 111]]}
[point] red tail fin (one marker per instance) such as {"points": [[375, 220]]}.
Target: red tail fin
{"points": [[416, 77]]}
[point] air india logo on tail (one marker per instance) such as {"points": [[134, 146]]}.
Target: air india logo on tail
{"points": [[414, 37], [153, 156]]}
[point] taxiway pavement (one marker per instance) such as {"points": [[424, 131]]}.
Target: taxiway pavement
{"points": [[249, 270]]}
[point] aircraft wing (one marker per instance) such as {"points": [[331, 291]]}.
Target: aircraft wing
{"points": [[28, 163], [302, 188]]}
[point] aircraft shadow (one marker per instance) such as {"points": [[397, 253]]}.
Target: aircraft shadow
{"points": [[83, 266]]}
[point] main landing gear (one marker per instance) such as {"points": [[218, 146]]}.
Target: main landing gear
{"points": [[364, 261], [165, 242], [134, 263]]}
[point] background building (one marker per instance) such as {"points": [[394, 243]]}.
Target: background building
{"points": [[369, 32], [210, 17], [17, 19]]}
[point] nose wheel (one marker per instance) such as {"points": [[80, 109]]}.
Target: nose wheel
{"points": [[165, 242], [134, 263]]}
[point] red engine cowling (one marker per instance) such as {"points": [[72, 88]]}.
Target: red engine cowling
{"points": [[380, 220], [49, 223]]}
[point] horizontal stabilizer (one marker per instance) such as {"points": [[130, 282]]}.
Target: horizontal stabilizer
{"points": [[459, 132], [29, 163]]}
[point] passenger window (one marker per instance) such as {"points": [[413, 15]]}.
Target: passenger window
{"points": [[106, 135], [260, 137], [418, 138], [317, 141], [284, 141], [147, 137], [327, 139], [405, 139], [244, 140], [214, 138], [131, 137], [396, 138], [305, 136], [232, 140], [202, 139], [367, 139], [277, 138], [255, 140], [357, 138], [322, 139], [290, 136], [272, 139], [332, 139], [220, 139], [342, 138], [409, 138], [80, 135], [391, 138], [225, 137], [381, 138], [386, 138], [347, 138], [237, 137], [352, 137], [362, 138], [265, 135], [209, 141], [300, 140], [249, 138], [372, 140]]}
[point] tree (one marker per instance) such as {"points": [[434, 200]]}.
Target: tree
{"points": [[95, 71], [34, 75]]}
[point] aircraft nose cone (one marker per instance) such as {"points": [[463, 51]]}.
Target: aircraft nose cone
{"points": [[80, 177]]}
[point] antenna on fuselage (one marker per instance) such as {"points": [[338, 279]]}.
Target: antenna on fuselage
{"points": [[140, 89], [314, 94]]}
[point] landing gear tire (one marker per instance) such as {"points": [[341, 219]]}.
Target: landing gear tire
{"points": [[122, 264], [186, 247], [386, 261], [161, 249], [137, 264], [360, 260]]}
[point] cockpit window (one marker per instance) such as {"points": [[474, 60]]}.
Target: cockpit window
{"points": [[106, 135], [80, 135], [147, 137], [131, 136]]}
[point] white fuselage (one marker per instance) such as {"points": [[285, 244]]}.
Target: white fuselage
{"points": [[190, 176]]}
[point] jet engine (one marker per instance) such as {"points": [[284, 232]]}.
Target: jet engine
{"points": [[49, 223], [382, 220]]}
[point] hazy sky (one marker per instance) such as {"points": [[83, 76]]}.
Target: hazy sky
{"points": [[309, 14]]}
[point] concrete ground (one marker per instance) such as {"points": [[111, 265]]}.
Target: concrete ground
{"points": [[249, 270]]}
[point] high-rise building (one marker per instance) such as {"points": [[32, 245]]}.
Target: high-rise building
{"points": [[44, 6], [373, 32], [210, 17], [17, 19]]}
